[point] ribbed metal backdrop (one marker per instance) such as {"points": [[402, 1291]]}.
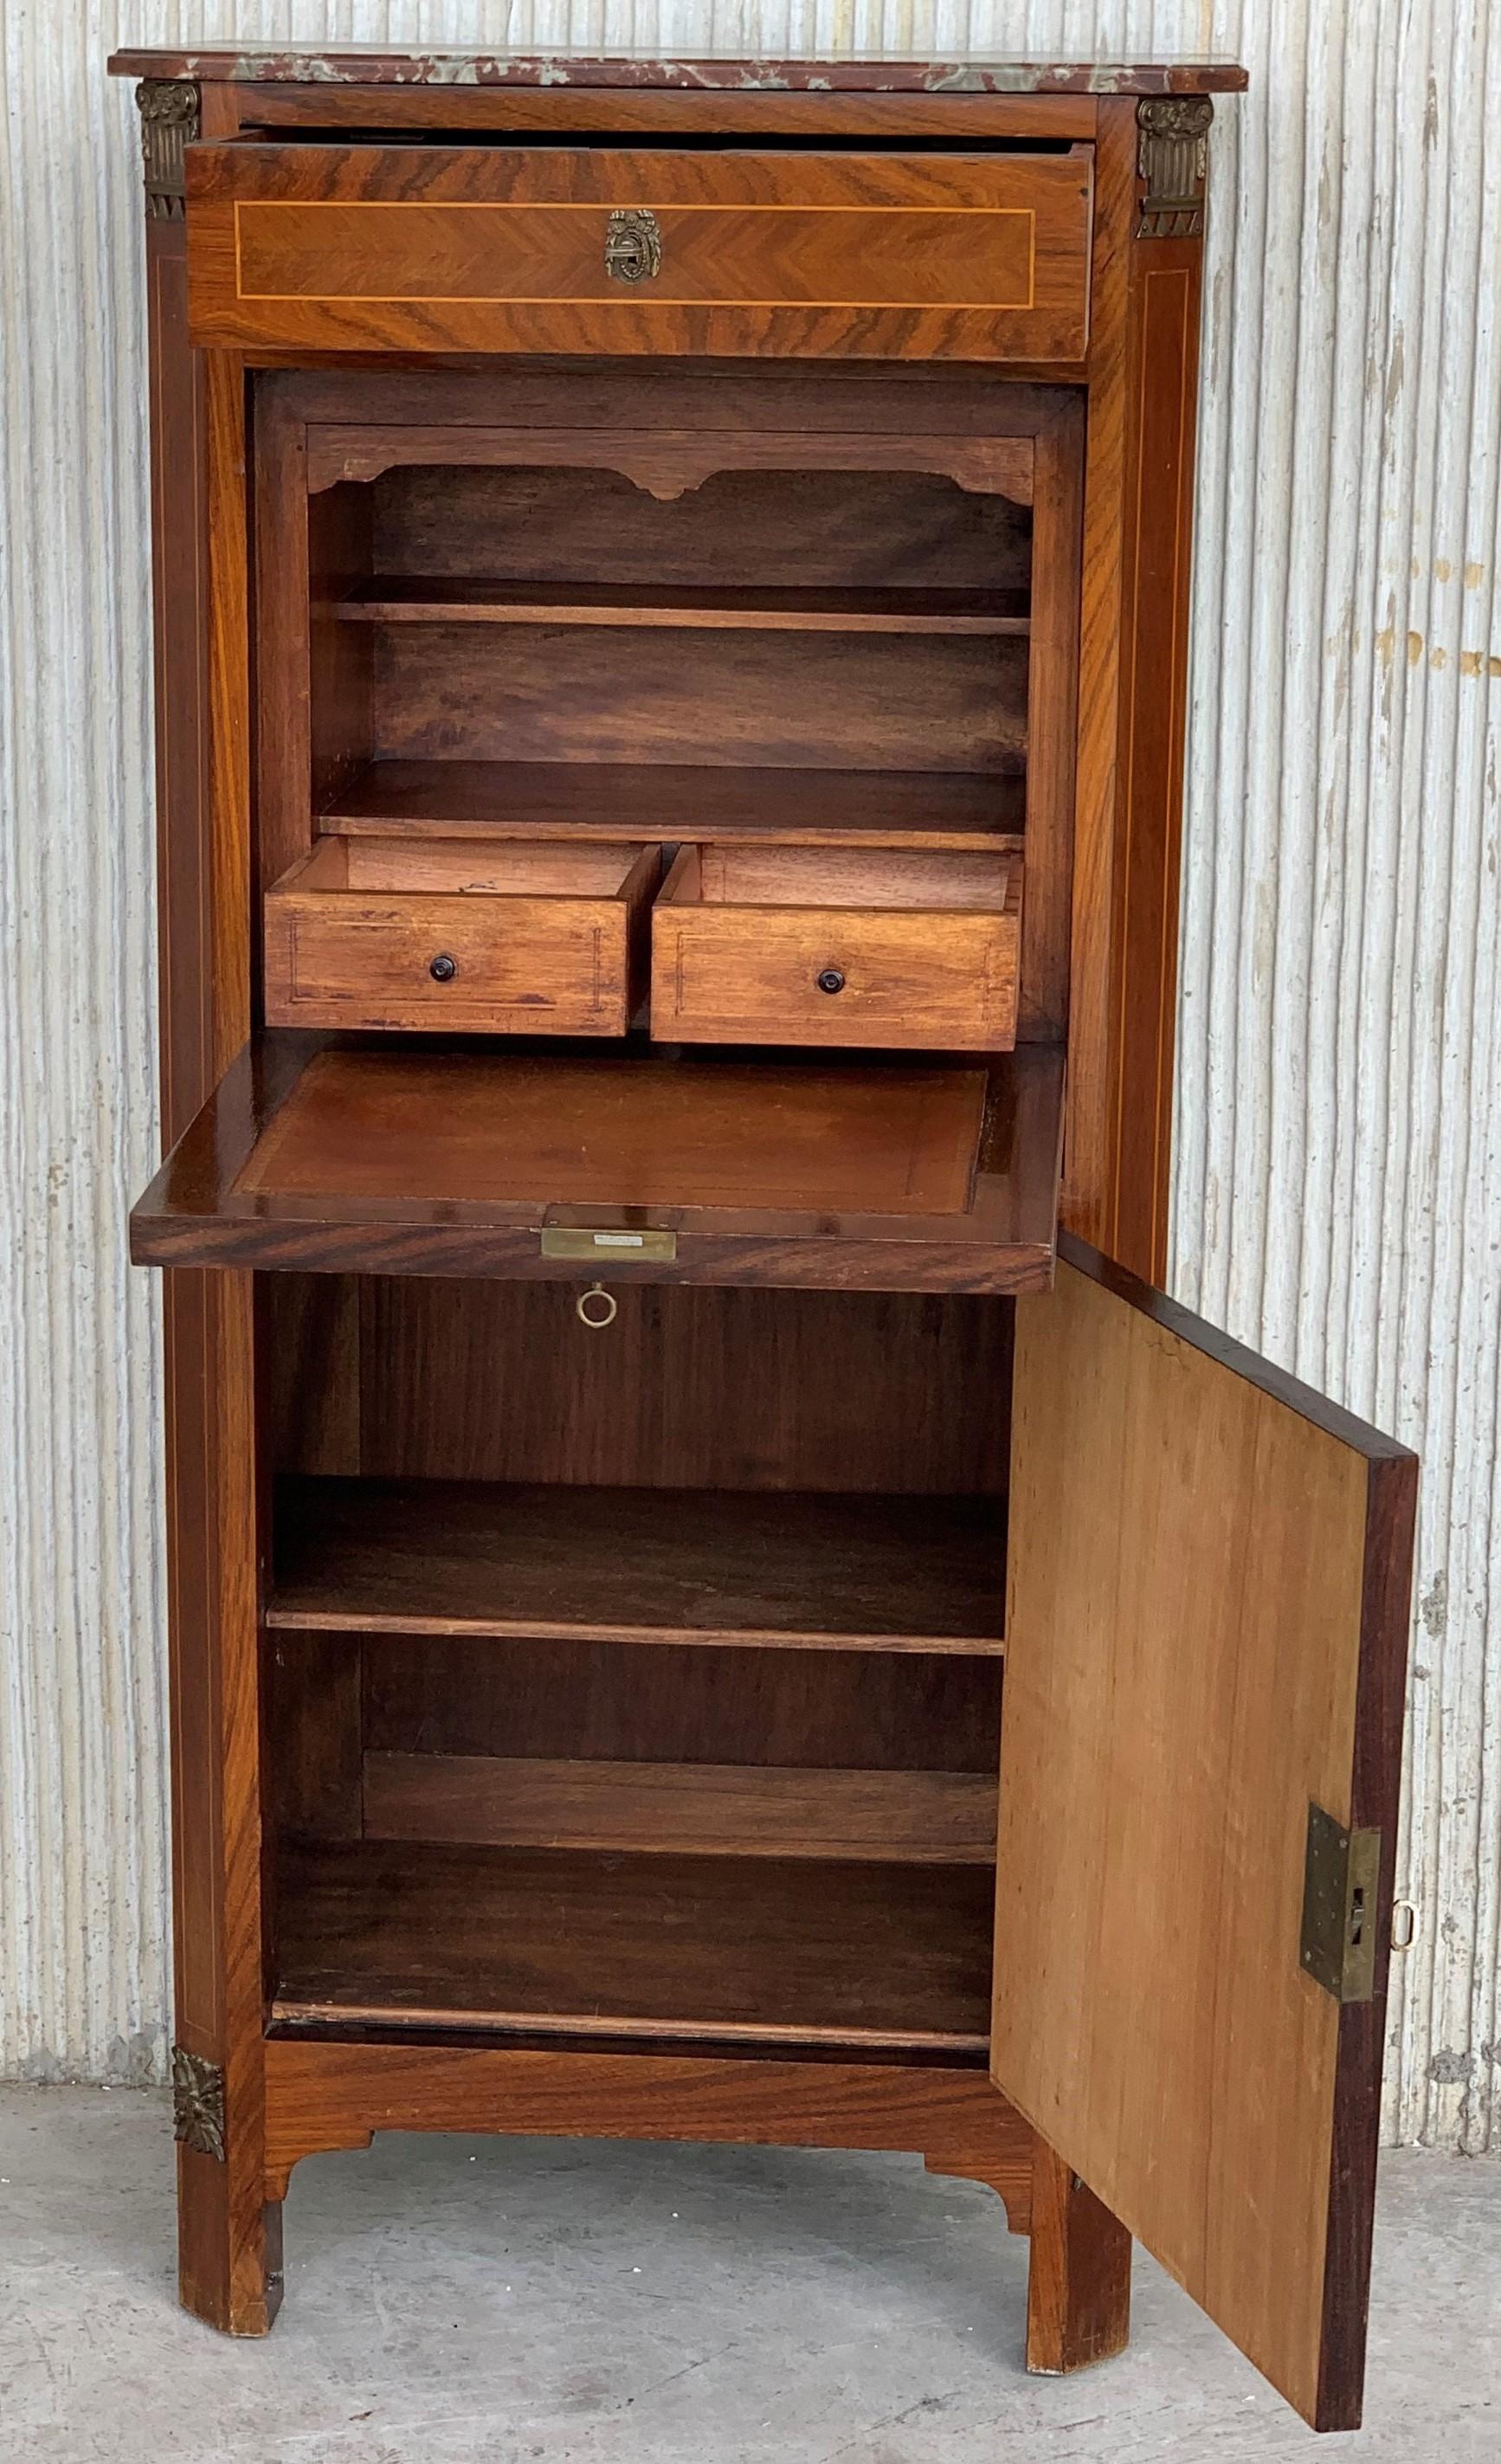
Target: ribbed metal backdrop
{"points": [[1338, 1194]]}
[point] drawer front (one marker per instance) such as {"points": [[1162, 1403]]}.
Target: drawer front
{"points": [[751, 975], [469, 249], [540, 966]]}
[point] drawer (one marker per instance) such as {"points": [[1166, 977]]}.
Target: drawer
{"points": [[942, 257], [837, 946], [535, 939]]}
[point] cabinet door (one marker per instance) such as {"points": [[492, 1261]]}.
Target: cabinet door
{"points": [[1209, 1581]]}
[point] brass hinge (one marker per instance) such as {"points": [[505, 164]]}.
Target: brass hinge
{"points": [[1341, 1876], [198, 2103]]}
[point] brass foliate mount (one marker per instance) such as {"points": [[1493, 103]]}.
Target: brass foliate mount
{"points": [[634, 245], [169, 110], [1173, 161], [198, 2103]]}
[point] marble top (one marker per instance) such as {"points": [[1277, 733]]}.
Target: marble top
{"points": [[892, 73]]}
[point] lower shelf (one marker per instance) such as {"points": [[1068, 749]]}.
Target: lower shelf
{"points": [[639, 1565], [751, 1950]]}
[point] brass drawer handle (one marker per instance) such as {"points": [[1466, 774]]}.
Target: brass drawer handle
{"points": [[634, 245]]}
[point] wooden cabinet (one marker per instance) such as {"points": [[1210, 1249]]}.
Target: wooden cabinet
{"points": [[670, 599]]}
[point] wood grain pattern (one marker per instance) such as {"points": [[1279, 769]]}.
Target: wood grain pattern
{"points": [[649, 1565], [1078, 2284], [684, 1808], [750, 1949], [1204, 1605], [1165, 282], [383, 1162], [696, 1388], [677, 801], [664, 460], [228, 2239], [326, 2094], [673, 112], [429, 599], [531, 937], [801, 1710], [489, 248], [837, 948], [868, 527], [1088, 1195], [797, 701]]}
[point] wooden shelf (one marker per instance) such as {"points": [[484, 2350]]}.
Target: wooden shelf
{"points": [[908, 1817], [639, 1565], [809, 1171], [404, 599], [677, 801], [758, 1950]]}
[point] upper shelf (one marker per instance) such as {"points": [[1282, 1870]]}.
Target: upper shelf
{"points": [[670, 802], [796, 1171], [404, 599], [911, 72]]}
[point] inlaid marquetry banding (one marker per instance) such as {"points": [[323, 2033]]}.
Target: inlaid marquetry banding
{"points": [[632, 298]]}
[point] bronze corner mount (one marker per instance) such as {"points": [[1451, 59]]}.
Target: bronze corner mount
{"points": [[169, 121], [198, 2103], [1172, 163]]}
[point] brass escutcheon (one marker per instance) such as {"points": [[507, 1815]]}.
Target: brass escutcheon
{"points": [[634, 245]]}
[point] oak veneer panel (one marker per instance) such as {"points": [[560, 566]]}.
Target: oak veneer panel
{"points": [[1206, 1630], [758, 1949], [675, 801], [638, 1565], [804, 1709], [545, 693], [495, 249], [697, 1809]]}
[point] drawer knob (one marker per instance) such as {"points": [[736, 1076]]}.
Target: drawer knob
{"points": [[443, 969], [832, 980], [634, 245]]}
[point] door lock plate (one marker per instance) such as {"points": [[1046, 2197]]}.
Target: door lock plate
{"points": [[1341, 1876]]}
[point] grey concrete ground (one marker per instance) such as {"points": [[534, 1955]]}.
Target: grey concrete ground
{"points": [[455, 2299]]}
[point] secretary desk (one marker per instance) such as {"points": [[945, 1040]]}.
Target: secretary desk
{"points": [[670, 591]]}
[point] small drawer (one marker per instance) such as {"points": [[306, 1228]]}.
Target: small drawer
{"points": [[613, 249], [837, 946], [523, 938]]}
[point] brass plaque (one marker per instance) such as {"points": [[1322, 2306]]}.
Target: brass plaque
{"points": [[570, 1241]]}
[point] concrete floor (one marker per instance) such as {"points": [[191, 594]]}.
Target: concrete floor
{"points": [[455, 2299]]}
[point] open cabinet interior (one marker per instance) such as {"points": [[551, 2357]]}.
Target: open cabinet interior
{"points": [[634, 1681]]}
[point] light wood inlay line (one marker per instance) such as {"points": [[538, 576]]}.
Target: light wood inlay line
{"points": [[631, 296]]}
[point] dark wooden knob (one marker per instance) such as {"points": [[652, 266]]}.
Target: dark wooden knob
{"points": [[443, 969], [832, 980]]}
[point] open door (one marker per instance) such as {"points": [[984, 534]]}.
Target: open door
{"points": [[1206, 1634]]}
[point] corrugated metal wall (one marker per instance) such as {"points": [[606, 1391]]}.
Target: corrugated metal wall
{"points": [[1338, 1199]]}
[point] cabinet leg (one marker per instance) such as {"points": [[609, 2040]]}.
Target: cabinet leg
{"points": [[1078, 2286], [229, 2247]]}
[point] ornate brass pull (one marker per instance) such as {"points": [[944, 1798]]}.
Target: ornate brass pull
{"points": [[634, 245]]}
